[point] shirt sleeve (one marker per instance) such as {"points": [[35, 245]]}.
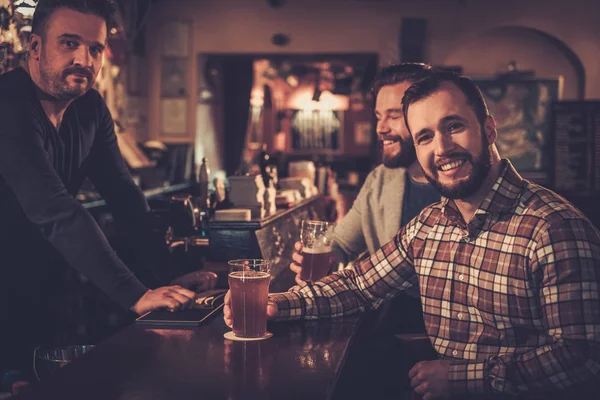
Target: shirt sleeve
{"points": [[26, 168], [349, 241], [377, 278], [110, 175], [566, 272]]}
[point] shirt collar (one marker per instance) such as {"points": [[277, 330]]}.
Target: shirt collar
{"points": [[502, 198]]}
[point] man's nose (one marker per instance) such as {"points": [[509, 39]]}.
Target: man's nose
{"points": [[382, 126], [82, 57], [443, 144]]}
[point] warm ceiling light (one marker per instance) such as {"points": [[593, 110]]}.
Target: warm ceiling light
{"points": [[292, 80]]}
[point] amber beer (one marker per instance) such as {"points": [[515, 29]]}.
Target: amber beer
{"points": [[249, 295], [316, 263], [317, 239]]}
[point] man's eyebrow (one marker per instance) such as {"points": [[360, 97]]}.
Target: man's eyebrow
{"points": [[388, 111], [422, 132], [71, 36], [450, 118], [74, 36]]}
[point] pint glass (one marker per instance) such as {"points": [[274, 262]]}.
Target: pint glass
{"points": [[316, 238], [249, 285]]}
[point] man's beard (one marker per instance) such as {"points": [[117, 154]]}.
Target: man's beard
{"points": [[464, 189], [56, 84], [405, 157]]}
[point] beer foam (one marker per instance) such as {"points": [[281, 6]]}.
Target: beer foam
{"points": [[317, 250], [249, 274]]}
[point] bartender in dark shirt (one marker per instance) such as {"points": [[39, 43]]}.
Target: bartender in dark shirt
{"points": [[55, 130]]}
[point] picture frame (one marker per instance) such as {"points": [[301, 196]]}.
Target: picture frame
{"points": [[316, 131], [522, 109], [176, 39], [363, 133], [174, 77], [174, 117]]}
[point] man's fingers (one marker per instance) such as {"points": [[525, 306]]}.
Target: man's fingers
{"points": [[170, 303], [184, 292], [227, 317], [182, 299], [296, 268], [299, 281], [298, 258], [422, 388], [298, 246], [272, 309], [415, 382], [415, 370]]}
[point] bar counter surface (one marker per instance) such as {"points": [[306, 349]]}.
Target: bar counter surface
{"points": [[302, 360]]}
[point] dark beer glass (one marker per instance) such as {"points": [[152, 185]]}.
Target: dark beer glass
{"points": [[249, 284]]}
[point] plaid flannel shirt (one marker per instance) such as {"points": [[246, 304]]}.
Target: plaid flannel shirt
{"points": [[512, 297]]}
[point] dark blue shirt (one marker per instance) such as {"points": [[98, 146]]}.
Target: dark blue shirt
{"points": [[417, 196]]}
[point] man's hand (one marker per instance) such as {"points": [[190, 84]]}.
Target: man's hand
{"points": [[170, 297], [228, 315], [430, 379], [296, 265]]}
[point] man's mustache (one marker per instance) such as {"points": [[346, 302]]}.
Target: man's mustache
{"points": [[79, 71]]}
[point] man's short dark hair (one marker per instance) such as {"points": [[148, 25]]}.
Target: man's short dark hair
{"points": [[103, 8], [398, 73], [427, 86]]}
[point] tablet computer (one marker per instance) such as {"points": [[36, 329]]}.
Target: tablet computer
{"points": [[204, 308]]}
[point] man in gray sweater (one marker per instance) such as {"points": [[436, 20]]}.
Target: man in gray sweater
{"points": [[393, 193]]}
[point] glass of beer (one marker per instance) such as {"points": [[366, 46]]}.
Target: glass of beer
{"points": [[316, 238], [249, 284]]}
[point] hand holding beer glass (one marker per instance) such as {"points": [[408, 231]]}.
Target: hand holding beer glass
{"points": [[249, 289], [316, 238]]}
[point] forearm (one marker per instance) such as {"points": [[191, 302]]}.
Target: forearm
{"points": [[554, 367], [380, 277], [77, 237], [332, 296], [110, 175]]}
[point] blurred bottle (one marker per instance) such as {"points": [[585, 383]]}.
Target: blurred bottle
{"points": [[263, 163], [203, 178]]}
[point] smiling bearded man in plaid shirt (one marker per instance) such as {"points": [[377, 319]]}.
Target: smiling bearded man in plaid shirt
{"points": [[509, 272]]}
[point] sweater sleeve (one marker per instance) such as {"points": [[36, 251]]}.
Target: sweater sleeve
{"points": [[349, 240], [110, 175]]}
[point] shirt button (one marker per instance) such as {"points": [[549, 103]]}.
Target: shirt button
{"points": [[461, 277], [466, 239], [460, 315], [454, 353]]}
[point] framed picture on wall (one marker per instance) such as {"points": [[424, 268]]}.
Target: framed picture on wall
{"points": [[174, 80], [176, 39], [174, 117], [522, 109], [316, 131], [363, 133]]}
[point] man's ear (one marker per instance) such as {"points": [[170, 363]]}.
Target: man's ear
{"points": [[35, 44], [490, 129]]}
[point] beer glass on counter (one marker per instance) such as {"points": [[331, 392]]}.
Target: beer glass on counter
{"points": [[249, 284], [316, 238]]}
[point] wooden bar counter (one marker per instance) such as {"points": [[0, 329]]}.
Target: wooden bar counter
{"points": [[302, 360]]}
